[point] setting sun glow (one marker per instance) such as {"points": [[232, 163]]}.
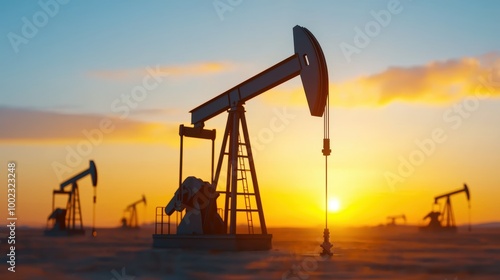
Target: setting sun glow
{"points": [[333, 205]]}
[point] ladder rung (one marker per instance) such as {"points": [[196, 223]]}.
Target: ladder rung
{"points": [[247, 210], [241, 156], [238, 193]]}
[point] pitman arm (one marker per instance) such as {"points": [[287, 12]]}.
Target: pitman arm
{"points": [[173, 205], [188, 190]]}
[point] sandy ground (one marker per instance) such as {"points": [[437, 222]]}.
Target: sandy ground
{"points": [[362, 253]]}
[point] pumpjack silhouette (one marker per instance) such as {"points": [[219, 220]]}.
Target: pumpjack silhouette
{"points": [[68, 221], [436, 218]]}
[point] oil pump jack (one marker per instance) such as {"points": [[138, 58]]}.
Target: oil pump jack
{"points": [[391, 220], [69, 221], [202, 227], [132, 221], [437, 218]]}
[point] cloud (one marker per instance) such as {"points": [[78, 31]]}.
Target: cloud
{"points": [[21, 126], [158, 111], [438, 82], [197, 68], [192, 69]]}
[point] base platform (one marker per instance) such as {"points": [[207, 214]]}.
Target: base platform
{"points": [[219, 242]]}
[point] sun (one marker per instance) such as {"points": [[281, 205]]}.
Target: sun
{"points": [[333, 205]]}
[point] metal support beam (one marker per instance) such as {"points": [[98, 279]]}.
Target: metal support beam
{"points": [[271, 77], [308, 62]]}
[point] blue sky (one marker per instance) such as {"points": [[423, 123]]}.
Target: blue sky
{"points": [[112, 35]]}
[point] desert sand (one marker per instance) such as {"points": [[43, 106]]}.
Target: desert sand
{"points": [[400, 252]]}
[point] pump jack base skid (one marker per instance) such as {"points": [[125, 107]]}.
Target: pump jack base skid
{"points": [[50, 232], [217, 242]]}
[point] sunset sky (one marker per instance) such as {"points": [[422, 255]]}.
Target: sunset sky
{"points": [[414, 96]]}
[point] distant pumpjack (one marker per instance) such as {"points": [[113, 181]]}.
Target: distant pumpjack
{"points": [[391, 220], [133, 221], [69, 221], [437, 218]]}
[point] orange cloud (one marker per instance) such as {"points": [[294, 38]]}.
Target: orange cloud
{"points": [[31, 126], [438, 82], [199, 68], [196, 68]]}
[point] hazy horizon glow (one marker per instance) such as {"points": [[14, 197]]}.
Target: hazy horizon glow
{"points": [[414, 111]]}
